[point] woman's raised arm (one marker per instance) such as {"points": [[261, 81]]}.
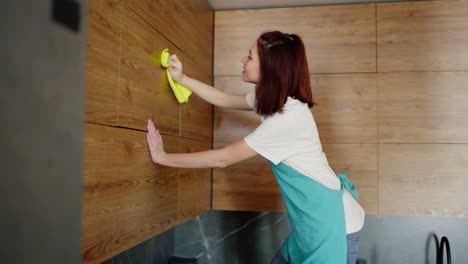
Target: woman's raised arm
{"points": [[207, 92]]}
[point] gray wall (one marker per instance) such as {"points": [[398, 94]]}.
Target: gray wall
{"points": [[387, 240], [42, 84]]}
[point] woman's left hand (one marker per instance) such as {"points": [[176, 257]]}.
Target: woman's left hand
{"points": [[155, 143]]}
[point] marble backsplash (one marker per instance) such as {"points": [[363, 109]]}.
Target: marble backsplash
{"points": [[226, 237], [215, 237]]}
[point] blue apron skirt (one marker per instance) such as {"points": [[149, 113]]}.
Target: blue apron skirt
{"points": [[316, 217]]}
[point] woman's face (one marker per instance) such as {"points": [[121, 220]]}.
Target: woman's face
{"points": [[251, 69]]}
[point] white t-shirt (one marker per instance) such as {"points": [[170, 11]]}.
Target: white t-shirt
{"points": [[291, 137]]}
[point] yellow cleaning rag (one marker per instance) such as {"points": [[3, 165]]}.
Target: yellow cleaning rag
{"points": [[181, 92]]}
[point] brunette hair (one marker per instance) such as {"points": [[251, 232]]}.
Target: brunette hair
{"points": [[283, 72]]}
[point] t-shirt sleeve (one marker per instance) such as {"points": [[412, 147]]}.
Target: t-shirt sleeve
{"points": [[271, 138], [250, 97]]}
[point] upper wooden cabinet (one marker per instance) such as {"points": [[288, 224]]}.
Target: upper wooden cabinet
{"points": [[197, 119], [423, 180], [126, 87], [144, 90], [346, 110], [338, 39], [194, 184], [423, 107], [103, 56], [126, 198], [422, 36], [187, 24]]}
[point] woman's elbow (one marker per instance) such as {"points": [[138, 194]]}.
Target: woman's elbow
{"points": [[221, 164], [224, 161]]}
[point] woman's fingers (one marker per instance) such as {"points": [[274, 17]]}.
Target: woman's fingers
{"points": [[175, 67], [151, 132], [150, 141], [173, 57], [151, 126], [174, 61], [155, 143], [158, 138]]}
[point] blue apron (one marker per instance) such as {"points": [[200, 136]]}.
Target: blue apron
{"points": [[316, 216]]}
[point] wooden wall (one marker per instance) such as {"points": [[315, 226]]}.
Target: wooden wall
{"points": [[127, 199], [391, 84], [422, 52]]}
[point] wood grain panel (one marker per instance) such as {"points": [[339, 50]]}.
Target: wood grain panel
{"points": [[346, 110], [246, 186], [338, 39], [360, 162], [126, 198], [423, 107], [197, 119], [195, 184], [104, 31], [144, 91], [422, 36], [232, 125], [432, 182], [186, 24], [197, 114]]}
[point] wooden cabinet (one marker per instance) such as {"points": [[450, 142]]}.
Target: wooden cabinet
{"points": [[422, 36], [194, 184], [346, 110], [104, 34], [423, 180], [338, 38], [126, 198], [423, 107]]}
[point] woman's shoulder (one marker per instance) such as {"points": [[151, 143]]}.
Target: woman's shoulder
{"points": [[294, 107], [294, 113], [293, 103]]}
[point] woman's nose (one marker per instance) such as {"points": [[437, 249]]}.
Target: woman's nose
{"points": [[243, 60]]}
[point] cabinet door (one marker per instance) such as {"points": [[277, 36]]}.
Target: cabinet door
{"points": [[103, 58], [337, 38], [126, 197]]}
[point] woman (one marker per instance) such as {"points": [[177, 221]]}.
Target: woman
{"points": [[320, 206]]}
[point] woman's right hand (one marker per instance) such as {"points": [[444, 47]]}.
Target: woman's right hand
{"points": [[155, 143], [175, 68]]}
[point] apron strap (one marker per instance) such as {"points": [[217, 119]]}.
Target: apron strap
{"points": [[347, 184]]}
